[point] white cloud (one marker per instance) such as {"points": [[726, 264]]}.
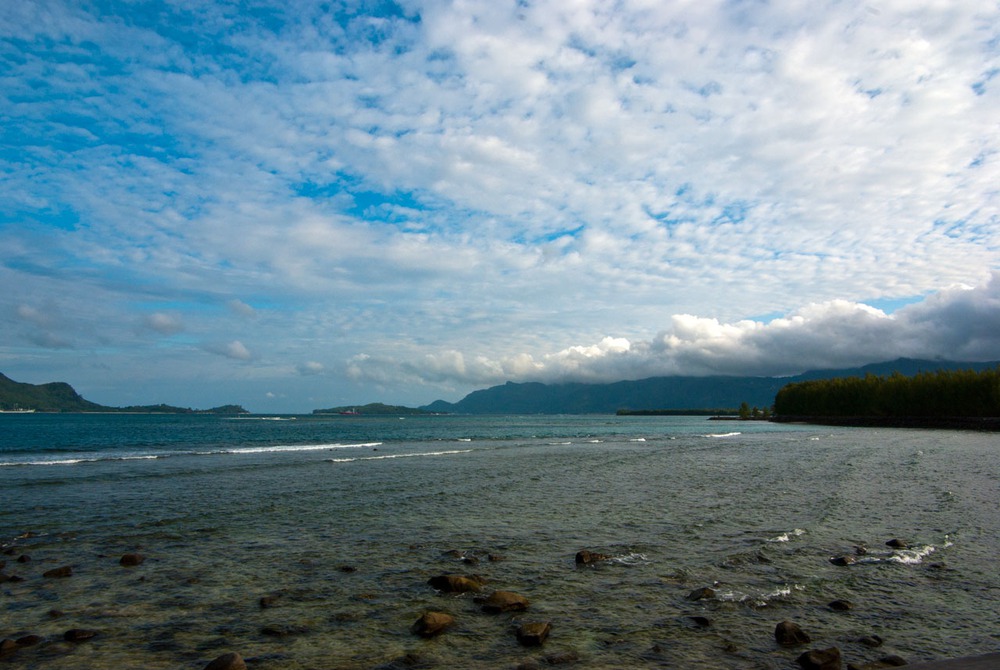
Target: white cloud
{"points": [[961, 323], [235, 350], [165, 324]]}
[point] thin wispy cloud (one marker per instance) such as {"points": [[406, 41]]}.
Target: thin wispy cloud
{"points": [[425, 197]]}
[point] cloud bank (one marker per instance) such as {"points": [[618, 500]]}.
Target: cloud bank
{"points": [[961, 324]]}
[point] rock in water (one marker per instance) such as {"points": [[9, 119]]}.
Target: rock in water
{"points": [[820, 659], [841, 605], [505, 601], [230, 661], [533, 634], [78, 634], [55, 573], [789, 634], [456, 583], [844, 560], [704, 593], [896, 543], [432, 623], [586, 557], [131, 560]]}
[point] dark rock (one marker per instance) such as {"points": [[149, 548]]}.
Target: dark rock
{"points": [[494, 558], [893, 661], [28, 640], [586, 557], [57, 573], [896, 543], [78, 634], [841, 605], [860, 550], [55, 614], [470, 560], [267, 601], [505, 601], [283, 630], [230, 661], [347, 568], [704, 593], [844, 560], [562, 657], [533, 634], [820, 659], [453, 553], [8, 646], [789, 634], [131, 560], [457, 583], [4, 577], [701, 621], [871, 641], [432, 623], [24, 558], [15, 578]]}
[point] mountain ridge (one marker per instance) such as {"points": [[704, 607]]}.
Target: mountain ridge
{"points": [[674, 392]]}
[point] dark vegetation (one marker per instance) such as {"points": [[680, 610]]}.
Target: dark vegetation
{"points": [[61, 397], [943, 393]]}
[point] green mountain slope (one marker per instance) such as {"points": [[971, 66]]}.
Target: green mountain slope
{"points": [[663, 392]]}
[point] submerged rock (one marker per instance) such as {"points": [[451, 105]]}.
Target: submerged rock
{"points": [[131, 560], [840, 605], [28, 640], [871, 640], [432, 623], [8, 646], [283, 630], [57, 573], [704, 593], [230, 661], [820, 659], [79, 634], [896, 543], [534, 633], [789, 634], [505, 601], [844, 560], [457, 583]]}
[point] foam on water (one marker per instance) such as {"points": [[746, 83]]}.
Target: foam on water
{"points": [[391, 456]]}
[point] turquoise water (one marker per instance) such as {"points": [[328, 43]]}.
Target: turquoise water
{"points": [[343, 520]]}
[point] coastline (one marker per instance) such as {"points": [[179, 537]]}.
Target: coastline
{"points": [[986, 424]]}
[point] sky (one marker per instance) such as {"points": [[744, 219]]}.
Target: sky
{"points": [[294, 205]]}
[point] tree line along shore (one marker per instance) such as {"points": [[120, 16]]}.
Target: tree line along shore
{"points": [[964, 399]]}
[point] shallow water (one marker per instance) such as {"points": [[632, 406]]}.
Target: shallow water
{"points": [[344, 520]]}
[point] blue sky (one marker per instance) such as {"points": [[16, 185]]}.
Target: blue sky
{"points": [[293, 205]]}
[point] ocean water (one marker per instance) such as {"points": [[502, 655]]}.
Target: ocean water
{"points": [[341, 521]]}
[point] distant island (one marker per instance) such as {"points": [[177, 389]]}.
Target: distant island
{"points": [[61, 397], [372, 409]]}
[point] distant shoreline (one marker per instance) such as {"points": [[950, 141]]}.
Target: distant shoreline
{"points": [[987, 424]]}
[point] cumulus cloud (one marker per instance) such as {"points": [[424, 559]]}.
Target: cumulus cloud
{"points": [[961, 323]]}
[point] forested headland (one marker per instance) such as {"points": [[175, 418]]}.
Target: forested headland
{"points": [[963, 398]]}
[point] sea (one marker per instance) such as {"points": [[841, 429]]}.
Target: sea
{"points": [[307, 542]]}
